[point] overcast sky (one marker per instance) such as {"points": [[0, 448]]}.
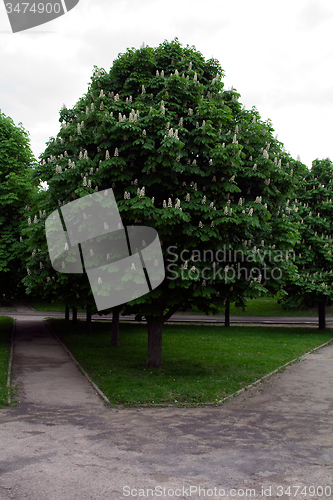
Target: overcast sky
{"points": [[277, 55]]}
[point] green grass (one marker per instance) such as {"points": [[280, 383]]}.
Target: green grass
{"points": [[268, 306], [41, 306], [200, 363], [265, 306], [6, 327]]}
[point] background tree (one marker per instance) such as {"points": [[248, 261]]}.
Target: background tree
{"points": [[16, 191], [183, 156], [313, 253]]}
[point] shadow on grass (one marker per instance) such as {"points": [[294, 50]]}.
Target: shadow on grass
{"points": [[200, 363]]}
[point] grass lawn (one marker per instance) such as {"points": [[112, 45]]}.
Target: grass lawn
{"points": [[268, 306], [265, 306], [6, 327], [39, 305], [200, 363]]}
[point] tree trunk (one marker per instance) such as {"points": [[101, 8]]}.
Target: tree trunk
{"points": [[67, 313], [154, 357], [115, 327], [227, 314], [321, 315], [74, 315], [88, 321]]}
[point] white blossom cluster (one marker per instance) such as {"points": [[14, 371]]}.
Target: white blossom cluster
{"points": [[133, 116], [172, 133]]}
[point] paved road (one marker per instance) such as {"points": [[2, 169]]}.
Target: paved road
{"points": [[61, 442], [23, 311]]}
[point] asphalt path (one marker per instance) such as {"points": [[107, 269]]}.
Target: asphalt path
{"points": [[61, 442], [26, 311]]}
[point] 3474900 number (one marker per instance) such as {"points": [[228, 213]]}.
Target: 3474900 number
{"points": [[35, 8], [309, 491]]}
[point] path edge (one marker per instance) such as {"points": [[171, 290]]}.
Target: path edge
{"points": [[10, 364], [262, 379], [97, 389], [217, 403]]}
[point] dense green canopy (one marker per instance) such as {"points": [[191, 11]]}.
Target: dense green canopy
{"points": [[184, 157], [16, 191], [313, 252]]}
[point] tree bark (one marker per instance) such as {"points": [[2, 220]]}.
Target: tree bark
{"points": [[88, 321], [154, 356], [321, 315], [74, 315], [227, 314], [115, 327], [67, 313]]}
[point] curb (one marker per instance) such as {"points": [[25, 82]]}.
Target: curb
{"points": [[270, 374], [244, 389], [99, 392], [10, 363], [220, 402]]}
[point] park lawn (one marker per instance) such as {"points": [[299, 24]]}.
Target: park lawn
{"points": [[264, 306], [268, 306], [42, 306], [201, 364], [6, 328]]}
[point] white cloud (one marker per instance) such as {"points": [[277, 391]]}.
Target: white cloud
{"points": [[314, 14], [277, 55]]}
